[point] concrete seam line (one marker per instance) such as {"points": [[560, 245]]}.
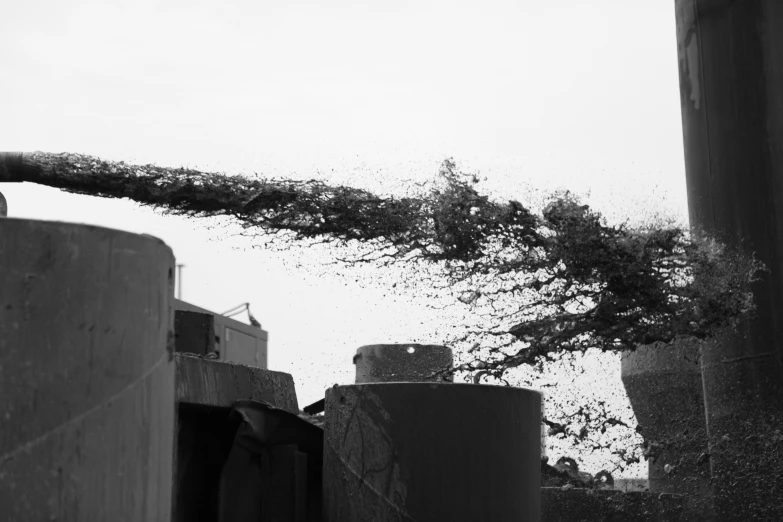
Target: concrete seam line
{"points": [[364, 483], [739, 359], [32, 443]]}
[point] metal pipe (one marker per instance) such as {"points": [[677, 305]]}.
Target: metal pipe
{"points": [[179, 281], [17, 167], [731, 85], [11, 169]]}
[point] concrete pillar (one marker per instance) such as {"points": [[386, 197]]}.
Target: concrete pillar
{"points": [[664, 386], [86, 374], [731, 79], [416, 451]]}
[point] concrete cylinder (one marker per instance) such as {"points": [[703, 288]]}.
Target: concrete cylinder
{"points": [[402, 363], [664, 387], [431, 451], [86, 374], [730, 58]]}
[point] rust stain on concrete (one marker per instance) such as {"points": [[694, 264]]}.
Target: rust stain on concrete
{"points": [[688, 50]]}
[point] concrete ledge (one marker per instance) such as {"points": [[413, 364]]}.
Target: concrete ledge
{"points": [[219, 383], [588, 505]]}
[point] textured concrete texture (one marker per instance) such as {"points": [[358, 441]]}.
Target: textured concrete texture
{"points": [[402, 363], [590, 505], [730, 58], [664, 386], [218, 383], [431, 451], [86, 373]]}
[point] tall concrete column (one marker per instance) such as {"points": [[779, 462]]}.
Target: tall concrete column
{"points": [[731, 86], [87, 374], [664, 386]]}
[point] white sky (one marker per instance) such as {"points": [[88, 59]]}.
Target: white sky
{"points": [[571, 93]]}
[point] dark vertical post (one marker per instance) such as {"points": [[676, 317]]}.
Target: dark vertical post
{"points": [[731, 89], [179, 281]]}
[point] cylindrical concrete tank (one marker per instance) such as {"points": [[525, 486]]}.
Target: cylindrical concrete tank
{"points": [[402, 363], [86, 374], [665, 389], [429, 451], [731, 78]]}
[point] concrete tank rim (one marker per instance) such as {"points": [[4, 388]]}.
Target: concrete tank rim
{"points": [[433, 384], [50, 222], [395, 345]]}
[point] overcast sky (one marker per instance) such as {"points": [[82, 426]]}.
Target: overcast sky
{"points": [[582, 95]]}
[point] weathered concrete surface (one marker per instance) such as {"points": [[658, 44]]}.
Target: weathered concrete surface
{"points": [[402, 363], [590, 505], [431, 451], [218, 383], [665, 389], [86, 374], [731, 79]]}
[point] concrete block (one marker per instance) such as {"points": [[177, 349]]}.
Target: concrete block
{"points": [[218, 383]]}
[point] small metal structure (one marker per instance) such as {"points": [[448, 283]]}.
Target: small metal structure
{"points": [[215, 336], [403, 363], [215, 481], [273, 469], [180, 266]]}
